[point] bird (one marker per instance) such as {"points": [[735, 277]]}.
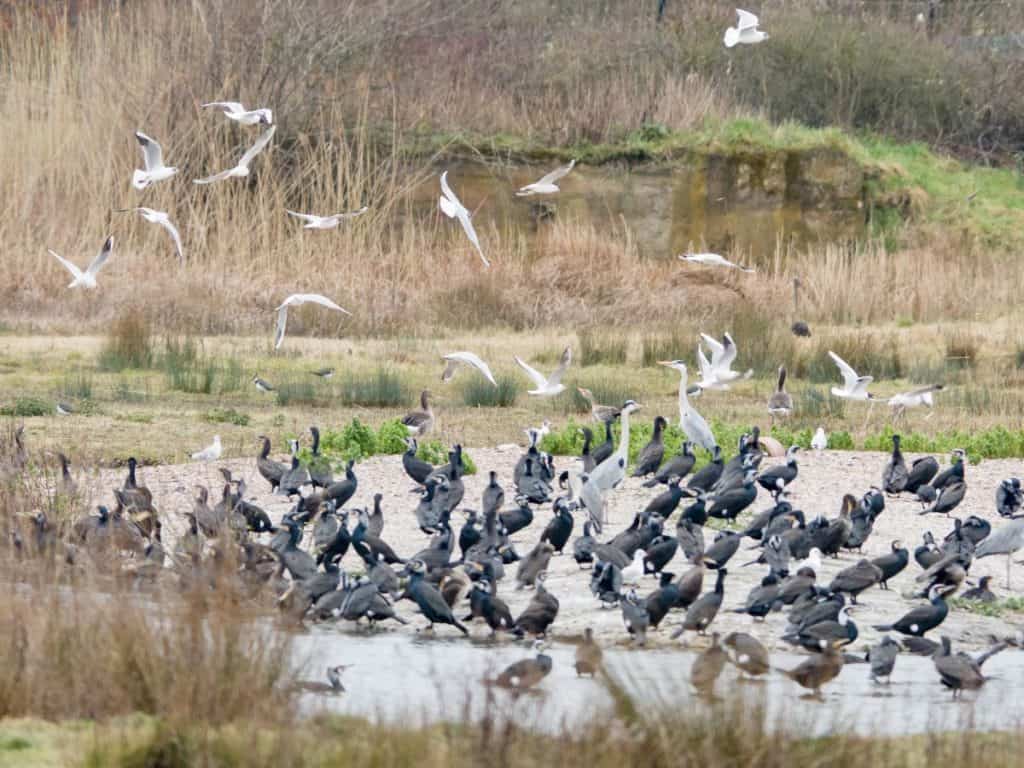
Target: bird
{"points": [[708, 665], [820, 440], [856, 578], [1009, 497], [546, 184], [894, 476], [164, 220], [649, 458], [980, 593], [420, 421], [453, 208], [923, 618], [603, 414], [882, 658], [429, 600], [921, 473], [912, 399], [552, 385], [312, 221], [153, 160], [589, 656], [893, 563], [678, 466], [745, 32], [332, 686], [817, 669], [949, 498], [1006, 540], [209, 453], [854, 387], [778, 477], [713, 260], [323, 373], [692, 423], [295, 300], [235, 111], [635, 617], [961, 671], [780, 404], [702, 611], [64, 409], [525, 674], [262, 385], [241, 169], [87, 279], [723, 354], [633, 572], [953, 473], [453, 359], [748, 654]]}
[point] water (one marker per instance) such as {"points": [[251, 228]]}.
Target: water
{"points": [[398, 680]]}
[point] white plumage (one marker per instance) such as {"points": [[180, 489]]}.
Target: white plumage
{"points": [[552, 385], [297, 299], [242, 168], [854, 387], [235, 111], [326, 222], [692, 423], [453, 359], [820, 440], [453, 208], [153, 161], [164, 220], [745, 32], [546, 184], [209, 453], [86, 279], [713, 260]]}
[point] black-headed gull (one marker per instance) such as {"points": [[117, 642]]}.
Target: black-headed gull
{"points": [[86, 279], [295, 300], [453, 359], [915, 398], [153, 160], [209, 453], [854, 387], [161, 218], [552, 385], [242, 169], [713, 260], [692, 423], [546, 185], [745, 32], [325, 222], [453, 208], [235, 111]]}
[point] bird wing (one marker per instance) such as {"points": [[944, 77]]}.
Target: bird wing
{"points": [[258, 147], [557, 174], [747, 20], [706, 371], [447, 192], [216, 177], [861, 385], [303, 216], [302, 298], [101, 257], [469, 359], [563, 366], [152, 153], [849, 375], [73, 269], [717, 350], [538, 378], [167, 224], [282, 323], [226, 106], [353, 214], [467, 226], [697, 430], [729, 354], [448, 208]]}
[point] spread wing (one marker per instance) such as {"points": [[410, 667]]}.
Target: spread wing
{"points": [[167, 224], [717, 350], [216, 177], [282, 323], [467, 226], [226, 106], [73, 269], [303, 216], [557, 174], [706, 372], [353, 214], [563, 365], [747, 20], [152, 153], [729, 355], [258, 147], [447, 192], [303, 298], [850, 377], [101, 257], [469, 359], [538, 379]]}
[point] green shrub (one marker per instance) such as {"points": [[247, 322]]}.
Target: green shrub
{"points": [[28, 406], [227, 416], [391, 437], [381, 389], [477, 392]]}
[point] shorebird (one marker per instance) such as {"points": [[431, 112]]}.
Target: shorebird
{"points": [[235, 111], [86, 279], [153, 160], [713, 260], [209, 453], [552, 385], [242, 168], [262, 385], [745, 32], [453, 208], [546, 185], [326, 222], [297, 299], [453, 359], [161, 218]]}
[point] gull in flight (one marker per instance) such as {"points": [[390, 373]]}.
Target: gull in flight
{"points": [[708, 377], [210, 452], [235, 111], [325, 222], [723, 354], [854, 387], [242, 169], [546, 185], [87, 279], [915, 398], [295, 300], [745, 32], [552, 385], [153, 159], [713, 260], [467, 358], [453, 208], [692, 423], [161, 218]]}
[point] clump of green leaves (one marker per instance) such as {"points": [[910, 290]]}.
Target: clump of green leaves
{"points": [[227, 416]]}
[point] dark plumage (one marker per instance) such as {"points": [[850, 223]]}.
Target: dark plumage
{"points": [[728, 504], [703, 610], [894, 476], [762, 599], [649, 459], [679, 466], [855, 579], [540, 613], [1009, 497], [949, 498], [923, 618], [706, 477], [893, 563], [721, 551], [776, 478], [882, 658], [415, 468], [583, 547], [429, 600], [559, 527], [953, 473], [662, 600], [980, 593], [921, 473]]}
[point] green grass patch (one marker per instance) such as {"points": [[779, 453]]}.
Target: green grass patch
{"points": [[477, 392], [602, 348], [25, 407], [995, 609], [227, 416], [382, 388]]}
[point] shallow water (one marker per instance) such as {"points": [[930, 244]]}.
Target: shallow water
{"points": [[395, 679]]}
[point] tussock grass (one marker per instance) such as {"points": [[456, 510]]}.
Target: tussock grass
{"points": [[478, 392], [602, 347], [381, 388], [129, 343]]}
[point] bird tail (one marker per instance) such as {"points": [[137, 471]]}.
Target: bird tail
{"points": [[140, 180], [732, 36], [652, 482], [883, 627]]}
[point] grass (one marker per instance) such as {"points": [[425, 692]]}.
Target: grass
{"points": [[602, 347], [27, 406], [227, 416], [996, 609], [480, 393], [129, 343], [381, 388]]}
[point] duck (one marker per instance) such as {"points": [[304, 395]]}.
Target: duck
{"points": [[651, 455], [589, 656], [708, 666], [525, 674], [420, 422], [817, 670], [333, 686]]}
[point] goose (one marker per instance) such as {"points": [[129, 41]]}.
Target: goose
{"points": [[915, 398], [235, 111], [163, 219], [313, 221], [745, 32], [602, 414], [525, 674], [453, 208], [816, 670], [295, 300], [692, 423], [86, 279], [241, 170], [552, 385], [153, 160], [713, 260], [854, 387], [961, 672], [546, 184], [780, 404], [420, 422], [454, 359]]}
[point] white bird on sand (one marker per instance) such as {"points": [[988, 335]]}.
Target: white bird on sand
{"points": [[453, 208], [552, 385], [326, 222], [692, 423], [915, 398], [854, 387], [161, 218], [820, 440], [633, 572], [453, 359], [610, 472], [745, 32], [713, 260], [153, 160], [295, 300], [235, 111], [813, 562], [86, 279], [209, 453], [242, 169], [546, 185]]}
